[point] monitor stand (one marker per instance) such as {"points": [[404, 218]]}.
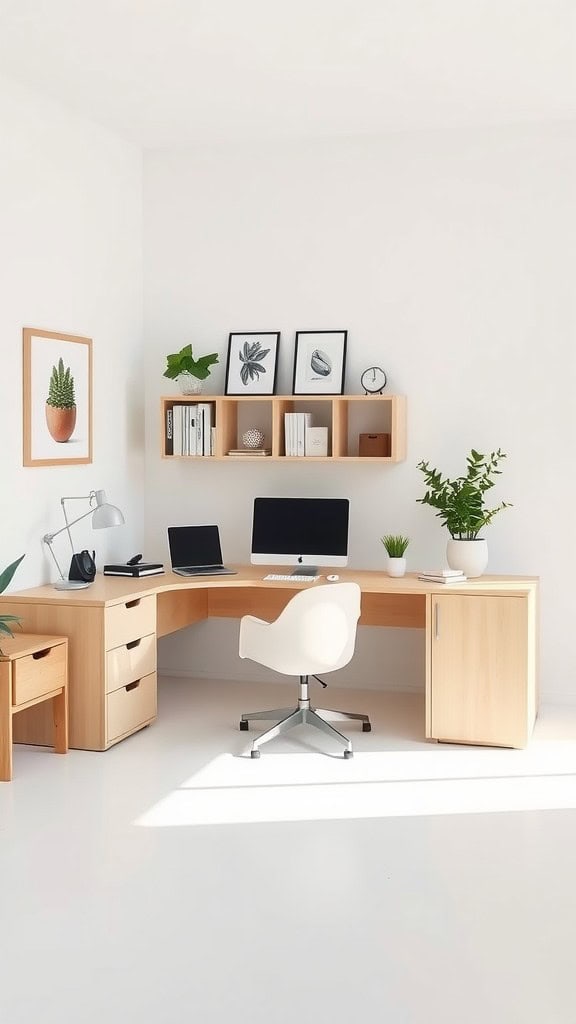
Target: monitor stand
{"points": [[305, 570]]}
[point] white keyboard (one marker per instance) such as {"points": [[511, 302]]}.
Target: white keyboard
{"points": [[292, 578]]}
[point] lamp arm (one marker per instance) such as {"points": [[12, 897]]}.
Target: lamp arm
{"points": [[49, 537]]}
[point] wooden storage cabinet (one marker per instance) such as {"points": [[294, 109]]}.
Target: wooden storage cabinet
{"points": [[111, 647], [33, 675], [482, 669], [345, 416]]}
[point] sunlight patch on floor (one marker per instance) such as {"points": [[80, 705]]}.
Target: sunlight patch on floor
{"points": [[311, 786]]}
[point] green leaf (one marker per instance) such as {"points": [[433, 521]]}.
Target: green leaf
{"points": [[8, 573]]}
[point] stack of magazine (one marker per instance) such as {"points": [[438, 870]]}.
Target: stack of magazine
{"points": [[442, 576]]}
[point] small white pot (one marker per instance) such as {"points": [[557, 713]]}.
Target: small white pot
{"points": [[396, 566], [470, 556], [189, 384]]}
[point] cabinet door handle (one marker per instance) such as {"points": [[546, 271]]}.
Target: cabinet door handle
{"points": [[436, 621]]}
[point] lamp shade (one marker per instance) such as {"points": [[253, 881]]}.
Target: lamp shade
{"points": [[105, 514]]}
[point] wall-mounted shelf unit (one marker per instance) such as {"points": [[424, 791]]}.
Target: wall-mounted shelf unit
{"points": [[345, 416]]}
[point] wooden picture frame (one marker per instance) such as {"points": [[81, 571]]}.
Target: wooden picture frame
{"points": [[57, 398], [252, 363], [319, 362]]}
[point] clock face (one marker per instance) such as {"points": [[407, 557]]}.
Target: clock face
{"points": [[373, 379]]}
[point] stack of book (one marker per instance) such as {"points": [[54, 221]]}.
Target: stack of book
{"points": [[250, 451], [295, 425], [443, 576], [190, 429]]}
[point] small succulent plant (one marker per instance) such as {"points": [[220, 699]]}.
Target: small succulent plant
{"points": [[251, 358], [7, 621], [61, 390]]}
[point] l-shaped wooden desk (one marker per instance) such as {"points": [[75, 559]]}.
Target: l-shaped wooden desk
{"points": [[481, 646]]}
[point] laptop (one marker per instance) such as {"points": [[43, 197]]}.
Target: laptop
{"points": [[196, 551]]}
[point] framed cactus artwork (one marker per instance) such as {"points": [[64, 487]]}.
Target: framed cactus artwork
{"points": [[252, 363], [57, 398], [319, 362]]}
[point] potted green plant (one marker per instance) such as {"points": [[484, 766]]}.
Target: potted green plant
{"points": [[189, 372], [461, 505], [395, 546], [7, 621]]}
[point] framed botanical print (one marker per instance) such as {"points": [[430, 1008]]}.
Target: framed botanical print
{"points": [[57, 398], [252, 363], [319, 362]]}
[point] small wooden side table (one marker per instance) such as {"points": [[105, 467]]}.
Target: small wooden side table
{"points": [[33, 668]]}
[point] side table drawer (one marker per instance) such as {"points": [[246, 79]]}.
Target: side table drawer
{"points": [[129, 621], [130, 706], [38, 673], [133, 660]]}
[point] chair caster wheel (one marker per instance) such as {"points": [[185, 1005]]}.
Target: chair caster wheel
{"points": [[254, 753], [243, 725], [366, 727], [348, 754]]}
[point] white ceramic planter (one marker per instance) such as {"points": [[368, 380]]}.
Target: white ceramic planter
{"points": [[189, 384], [396, 566], [470, 556]]}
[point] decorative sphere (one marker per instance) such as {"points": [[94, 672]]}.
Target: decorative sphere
{"points": [[253, 438]]}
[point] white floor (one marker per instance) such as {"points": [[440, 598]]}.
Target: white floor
{"points": [[172, 879]]}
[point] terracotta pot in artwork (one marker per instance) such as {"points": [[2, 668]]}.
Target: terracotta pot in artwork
{"points": [[60, 422]]}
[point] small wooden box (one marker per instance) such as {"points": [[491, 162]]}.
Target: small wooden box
{"points": [[374, 445]]}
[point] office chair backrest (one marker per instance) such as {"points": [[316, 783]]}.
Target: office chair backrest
{"points": [[316, 632]]}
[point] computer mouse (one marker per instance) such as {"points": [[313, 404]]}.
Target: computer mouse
{"points": [[332, 579]]}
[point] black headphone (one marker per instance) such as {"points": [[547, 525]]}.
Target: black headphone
{"points": [[83, 567]]}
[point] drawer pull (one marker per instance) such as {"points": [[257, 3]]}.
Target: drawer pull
{"points": [[133, 604], [132, 686], [133, 644], [41, 654]]}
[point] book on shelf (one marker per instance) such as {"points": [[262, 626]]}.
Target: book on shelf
{"points": [[316, 441], [169, 432], [140, 569], [295, 426], [249, 451]]}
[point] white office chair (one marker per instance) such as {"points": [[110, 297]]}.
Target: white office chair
{"points": [[316, 632]]}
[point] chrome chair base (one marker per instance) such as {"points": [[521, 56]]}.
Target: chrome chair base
{"points": [[304, 714]]}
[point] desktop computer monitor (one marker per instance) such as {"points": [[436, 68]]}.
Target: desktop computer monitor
{"points": [[300, 531]]}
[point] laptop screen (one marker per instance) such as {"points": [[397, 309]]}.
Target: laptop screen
{"points": [[194, 545]]}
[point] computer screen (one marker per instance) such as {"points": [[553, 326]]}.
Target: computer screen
{"points": [[300, 531]]}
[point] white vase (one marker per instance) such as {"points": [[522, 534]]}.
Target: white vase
{"points": [[470, 556], [396, 566], [189, 384]]}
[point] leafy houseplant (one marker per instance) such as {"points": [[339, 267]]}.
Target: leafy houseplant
{"points": [[183, 365], [7, 621], [461, 505], [395, 546], [61, 403]]}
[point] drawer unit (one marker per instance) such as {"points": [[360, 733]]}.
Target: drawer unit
{"points": [[130, 621], [130, 707], [39, 673], [132, 661]]}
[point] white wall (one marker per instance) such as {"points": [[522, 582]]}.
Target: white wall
{"points": [[70, 261], [449, 258]]}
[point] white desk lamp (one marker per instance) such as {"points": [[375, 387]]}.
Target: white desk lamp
{"points": [[82, 567]]}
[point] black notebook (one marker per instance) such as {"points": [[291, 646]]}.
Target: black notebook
{"points": [[140, 569]]}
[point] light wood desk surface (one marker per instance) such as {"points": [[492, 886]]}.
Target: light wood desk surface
{"points": [[481, 643]]}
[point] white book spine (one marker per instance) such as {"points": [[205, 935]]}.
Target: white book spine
{"points": [[177, 427]]}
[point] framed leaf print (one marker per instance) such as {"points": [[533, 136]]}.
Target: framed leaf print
{"points": [[252, 363]]}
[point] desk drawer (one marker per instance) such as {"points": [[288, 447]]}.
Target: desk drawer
{"points": [[130, 707], [129, 621], [38, 673], [133, 660]]}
